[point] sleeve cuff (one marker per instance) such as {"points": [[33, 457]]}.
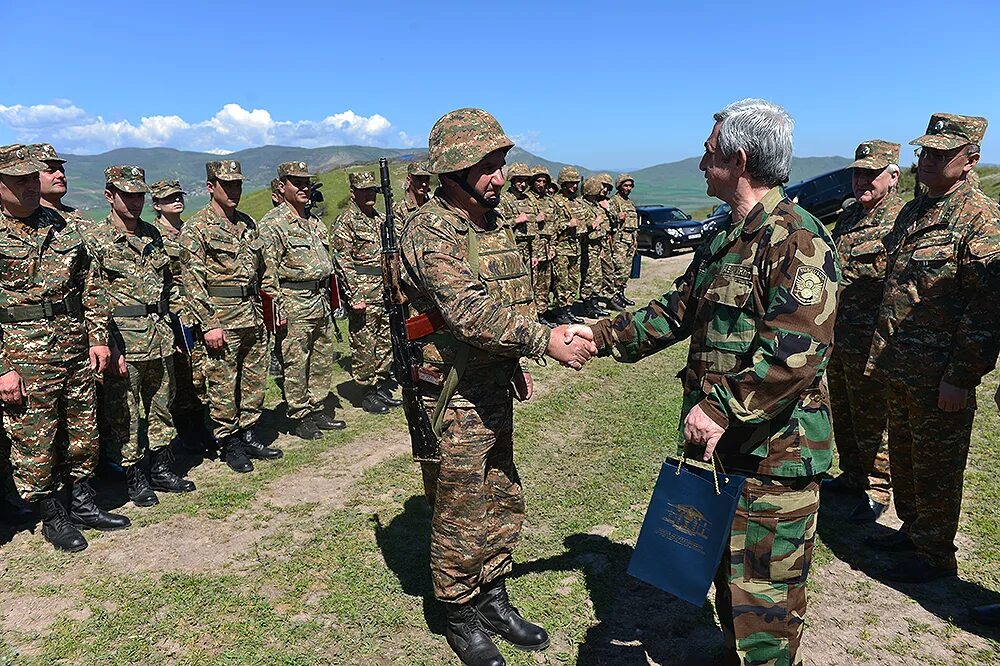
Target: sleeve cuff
{"points": [[714, 413]]}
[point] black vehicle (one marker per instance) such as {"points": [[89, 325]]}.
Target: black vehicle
{"points": [[715, 219], [665, 229], [824, 196]]}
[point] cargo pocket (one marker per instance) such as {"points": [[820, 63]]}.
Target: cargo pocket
{"points": [[781, 529], [732, 328]]}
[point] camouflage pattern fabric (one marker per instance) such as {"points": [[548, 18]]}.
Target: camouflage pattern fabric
{"points": [[513, 204], [162, 189], [947, 130], [223, 170], [566, 272], [235, 379], [306, 353], [299, 169], [361, 180], [875, 154], [626, 238], [138, 408], [357, 246], [405, 207], [461, 138], [44, 152], [130, 179], [760, 586], [592, 245], [543, 251]]}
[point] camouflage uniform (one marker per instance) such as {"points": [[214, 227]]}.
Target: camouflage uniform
{"points": [[408, 204], [758, 303], [52, 310], [357, 245], [593, 243], [566, 273], [626, 235], [937, 322], [297, 252], [514, 203], [544, 248], [860, 410]]}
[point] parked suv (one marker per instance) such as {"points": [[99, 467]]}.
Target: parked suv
{"points": [[824, 196], [665, 229]]}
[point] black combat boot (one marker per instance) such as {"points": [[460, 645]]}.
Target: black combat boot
{"points": [[84, 512], [373, 404], [235, 454], [274, 365], [139, 490], [385, 395], [306, 428], [573, 317], [596, 309], [468, 639], [326, 421], [498, 616], [161, 477], [256, 448], [56, 527], [561, 316]]}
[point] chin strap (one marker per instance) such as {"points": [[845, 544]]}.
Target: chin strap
{"points": [[461, 178]]}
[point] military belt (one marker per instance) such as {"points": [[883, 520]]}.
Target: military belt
{"points": [[141, 310], [368, 270], [307, 285], [71, 305], [232, 291]]}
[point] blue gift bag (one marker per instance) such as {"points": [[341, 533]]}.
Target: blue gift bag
{"points": [[183, 335], [686, 528], [636, 266]]}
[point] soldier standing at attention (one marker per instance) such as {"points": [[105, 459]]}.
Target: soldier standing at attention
{"points": [[415, 193], [626, 236], [935, 339], [520, 212], [54, 324], [544, 249], [459, 260], [567, 228], [139, 383], [357, 244], [758, 304], [860, 412], [297, 253], [222, 268], [592, 245]]}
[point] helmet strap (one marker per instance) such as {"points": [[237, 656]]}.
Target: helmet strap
{"points": [[461, 178]]}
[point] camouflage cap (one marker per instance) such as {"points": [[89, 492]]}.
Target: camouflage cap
{"points": [[294, 169], [875, 154], [16, 160], [623, 178], [164, 188], [568, 174], [417, 169], [518, 170], [592, 186], [362, 180], [606, 179], [223, 170], [946, 131], [462, 138], [44, 152], [127, 178], [275, 185], [540, 170]]}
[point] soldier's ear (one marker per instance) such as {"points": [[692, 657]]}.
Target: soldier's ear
{"points": [[971, 159], [741, 161]]}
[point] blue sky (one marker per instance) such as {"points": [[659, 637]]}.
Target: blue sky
{"points": [[604, 85]]}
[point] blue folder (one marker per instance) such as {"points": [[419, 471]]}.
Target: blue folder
{"points": [[686, 528], [183, 335]]}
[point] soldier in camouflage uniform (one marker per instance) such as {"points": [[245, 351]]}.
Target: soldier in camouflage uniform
{"points": [[277, 198], [593, 247], [297, 253], [626, 235], [222, 270], [937, 335], [544, 248], [54, 324], [860, 412], [415, 193], [458, 259], [758, 304], [139, 383], [524, 214], [566, 206]]}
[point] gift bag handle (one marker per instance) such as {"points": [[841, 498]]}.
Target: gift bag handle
{"points": [[715, 474]]}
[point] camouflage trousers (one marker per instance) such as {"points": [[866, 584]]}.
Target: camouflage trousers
{"points": [[626, 243], [138, 408], [592, 267], [55, 433], [476, 495], [760, 586], [235, 379], [928, 450], [306, 364], [566, 278], [542, 285], [371, 347], [860, 417]]}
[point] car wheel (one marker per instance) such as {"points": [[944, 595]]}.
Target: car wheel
{"points": [[660, 249], [847, 202]]}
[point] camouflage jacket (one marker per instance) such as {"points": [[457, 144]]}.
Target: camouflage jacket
{"points": [[136, 270], [357, 245], [758, 303], [567, 239], [43, 259], [598, 226], [938, 319], [859, 236], [544, 248], [218, 253], [297, 250], [618, 204], [513, 204], [171, 238], [404, 208], [490, 309]]}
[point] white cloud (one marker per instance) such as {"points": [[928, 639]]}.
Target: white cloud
{"points": [[528, 141], [232, 128]]}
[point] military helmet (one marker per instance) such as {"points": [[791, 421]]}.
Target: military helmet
{"points": [[461, 138], [623, 178], [540, 170], [518, 170], [606, 179], [568, 174], [592, 186]]}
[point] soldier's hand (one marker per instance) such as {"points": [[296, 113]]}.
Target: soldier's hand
{"points": [[951, 398], [359, 306], [522, 219], [621, 216], [540, 217], [534, 262], [215, 339], [12, 388], [524, 386], [604, 203], [118, 366], [573, 222], [701, 430], [571, 349], [99, 357]]}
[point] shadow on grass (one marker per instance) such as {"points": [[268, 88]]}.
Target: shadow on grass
{"points": [[947, 598]]}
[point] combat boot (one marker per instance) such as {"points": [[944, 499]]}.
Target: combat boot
{"points": [[161, 477], [385, 395], [139, 490], [84, 512], [235, 455], [57, 529], [625, 299], [596, 309], [468, 639], [561, 317], [306, 428], [573, 318], [258, 449], [274, 365], [325, 421], [498, 616], [373, 404]]}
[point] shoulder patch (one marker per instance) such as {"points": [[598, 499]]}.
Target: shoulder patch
{"points": [[808, 285]]}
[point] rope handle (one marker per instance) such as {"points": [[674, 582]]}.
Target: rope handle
{"points": [[715, 474]]}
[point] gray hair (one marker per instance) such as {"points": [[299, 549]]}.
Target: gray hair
{"points": [[764, 131], [893, 168]]}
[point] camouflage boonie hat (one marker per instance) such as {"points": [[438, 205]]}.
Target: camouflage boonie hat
{"points": [[275, 185], [164, 188], [294, 169], [16, 160], [417, 169], [568, 174], [875, 154], [592, 186], [623, 178], [540, 170], [463, 137], [946, 131], [127, 178], [361, 180], [518, 170], [44, 152], [223, 170]]}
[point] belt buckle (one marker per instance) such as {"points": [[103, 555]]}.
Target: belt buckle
{"points": [[47, 310]]}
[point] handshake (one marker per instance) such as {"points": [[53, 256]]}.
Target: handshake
{"points": [[572, 345]]}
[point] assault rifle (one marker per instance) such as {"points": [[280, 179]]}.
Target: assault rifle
{"points": [[405, 355]]}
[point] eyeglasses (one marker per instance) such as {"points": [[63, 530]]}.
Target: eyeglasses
{"points": [[935, 155]]}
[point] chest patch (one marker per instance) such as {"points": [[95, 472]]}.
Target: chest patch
{"points": [[808, 286], [742, 273]]}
